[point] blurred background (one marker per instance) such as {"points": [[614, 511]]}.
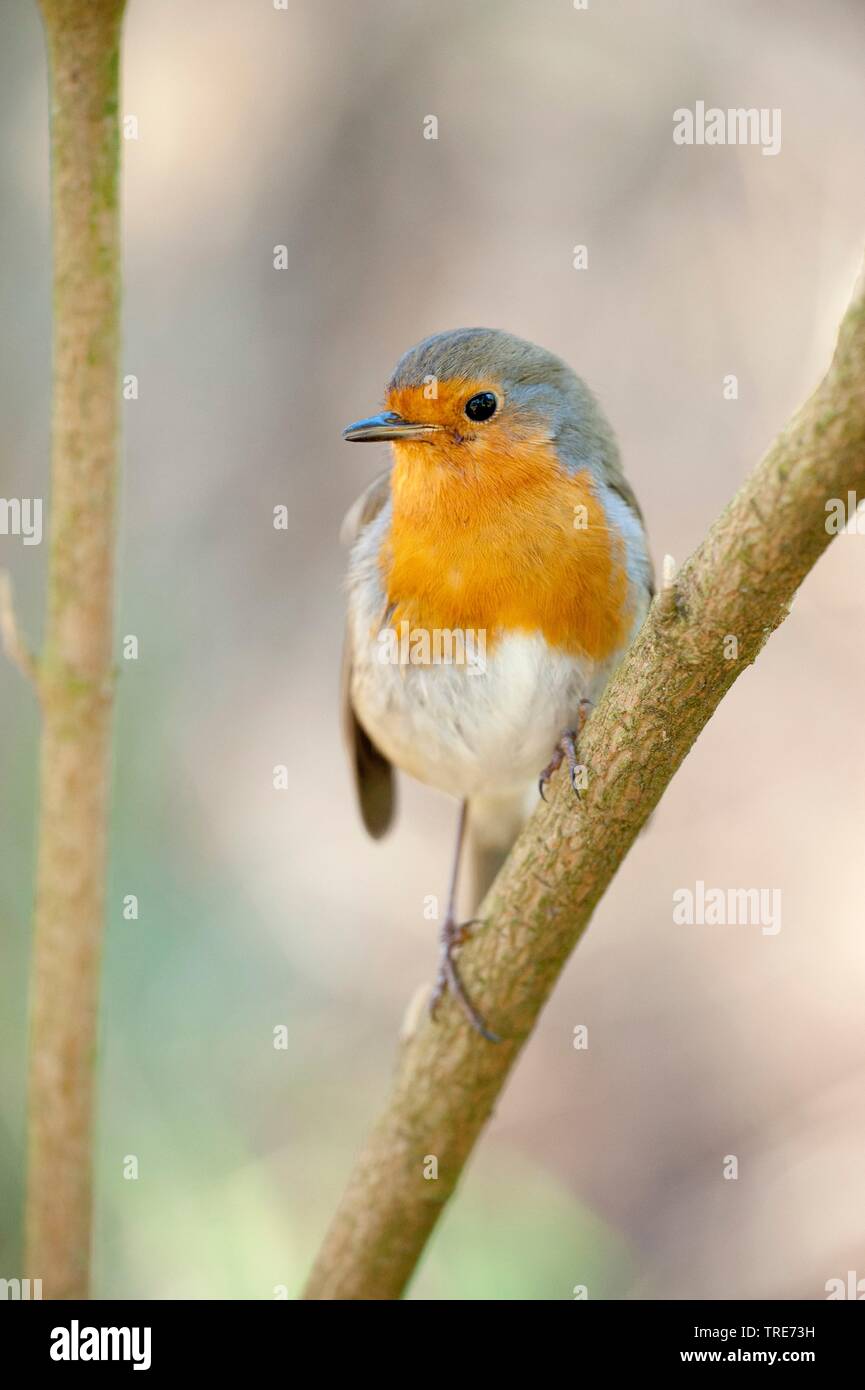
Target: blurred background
{"points": [[259, 908]]}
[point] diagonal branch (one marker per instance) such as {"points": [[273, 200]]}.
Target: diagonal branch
{"points": [[739, 583]]}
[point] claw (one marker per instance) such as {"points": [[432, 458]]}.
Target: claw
{"points": [[453, 935], [552, 766], [567, 748]]}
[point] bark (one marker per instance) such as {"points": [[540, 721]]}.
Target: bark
{"points": [[74, 674], [739, 583]]}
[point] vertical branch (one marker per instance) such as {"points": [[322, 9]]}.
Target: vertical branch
{"points": [[75, 670]]}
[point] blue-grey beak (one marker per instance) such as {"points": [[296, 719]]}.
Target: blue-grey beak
{"points": [[388, 425]]}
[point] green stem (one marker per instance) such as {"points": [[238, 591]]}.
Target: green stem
{"points": [[74, 673]]}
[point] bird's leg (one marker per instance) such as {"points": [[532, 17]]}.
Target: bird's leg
{"points": [[451, 936], [567, 748]]}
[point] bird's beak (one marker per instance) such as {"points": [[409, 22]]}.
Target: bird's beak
{"points": [[388, 425]]}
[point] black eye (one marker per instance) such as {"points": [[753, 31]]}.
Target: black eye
{"points": [[482, 406]]}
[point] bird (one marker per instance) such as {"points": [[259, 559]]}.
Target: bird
{"points": [[499, 569]]}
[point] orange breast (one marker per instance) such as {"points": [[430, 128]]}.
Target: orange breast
{"points": [[501, 539]]}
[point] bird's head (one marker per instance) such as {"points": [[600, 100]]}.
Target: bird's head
{"points": [[484, 406], [496, 515]]}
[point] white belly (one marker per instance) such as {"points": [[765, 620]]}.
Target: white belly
{"points": [[476, 734], [480, 732]]}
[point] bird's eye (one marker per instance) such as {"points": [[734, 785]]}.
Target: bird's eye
{"points": [[482, 406]]}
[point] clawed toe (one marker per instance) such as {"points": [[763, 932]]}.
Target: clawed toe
{"points": [[453, 935], [566, 748]]}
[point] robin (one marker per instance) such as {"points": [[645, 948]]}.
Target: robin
{"points": [[499, 570]]}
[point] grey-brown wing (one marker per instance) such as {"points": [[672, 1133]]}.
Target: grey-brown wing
{"points": [[620, 484], [373, 774]]}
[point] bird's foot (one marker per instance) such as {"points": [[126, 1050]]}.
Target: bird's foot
{"points": [[566, 748], [453, 935]]}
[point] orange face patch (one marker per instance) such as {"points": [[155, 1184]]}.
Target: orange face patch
{"points": [[491, 533]]}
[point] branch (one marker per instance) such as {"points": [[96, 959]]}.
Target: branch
{"points": [[76, 665], [13, 643], [739, 583]]}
